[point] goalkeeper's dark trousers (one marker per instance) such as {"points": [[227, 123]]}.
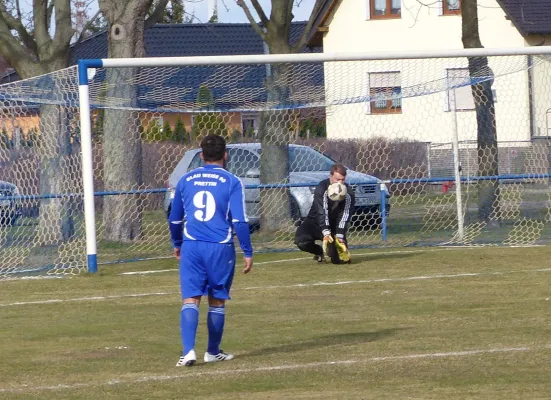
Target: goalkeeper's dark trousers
{"points": [[305, 238]]}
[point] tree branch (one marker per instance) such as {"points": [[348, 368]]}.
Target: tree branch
{"points": [[63, 27], [259, 31], [306, 33], [16, 24], [49, 13], [88, 25], [40, 20], [13, 51], [260, 11], [290, 10], [157, 14]]}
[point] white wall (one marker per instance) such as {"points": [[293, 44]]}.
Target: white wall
{"points": [[423, 118]]}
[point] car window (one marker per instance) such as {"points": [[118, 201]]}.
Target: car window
{"points": [[196, 162], [305, 159], [240, 161]]}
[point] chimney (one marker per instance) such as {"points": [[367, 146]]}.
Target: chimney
{"points": [[212, 11]]}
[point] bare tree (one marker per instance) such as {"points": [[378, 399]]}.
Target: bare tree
{"points": [[275, 123], [487, 150], [34, 43], [482, 76], [122, 147]]}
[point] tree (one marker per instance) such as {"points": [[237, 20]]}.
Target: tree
{"points": [[35, 43], [152, 132], [179, 133], [487, 150], [166, 133], [126, 19], [274, 129], [174, 12], [207, 122]]}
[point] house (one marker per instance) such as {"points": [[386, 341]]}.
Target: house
{"points": [[176, 96], [416, 99]]}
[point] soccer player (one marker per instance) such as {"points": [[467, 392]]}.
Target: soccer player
{"points": [[208, 207], [327, 220]]}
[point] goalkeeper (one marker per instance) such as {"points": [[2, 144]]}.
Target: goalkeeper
{"points": [[327, 221]]}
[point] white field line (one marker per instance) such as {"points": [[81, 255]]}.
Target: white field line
{"points": [[286, 367], [301, 285], [309, 258]]}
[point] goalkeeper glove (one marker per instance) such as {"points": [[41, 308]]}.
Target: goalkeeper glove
{"points": [[327, 239], [342, 251]]}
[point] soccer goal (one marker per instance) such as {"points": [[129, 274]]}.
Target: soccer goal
{"points": [[443, 148]]}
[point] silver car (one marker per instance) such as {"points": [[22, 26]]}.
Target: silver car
{"points": [[10, 206], [307, 168]]}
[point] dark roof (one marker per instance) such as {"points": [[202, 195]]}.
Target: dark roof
{"points": [[181, 40], [232, 87], [529, 16]]}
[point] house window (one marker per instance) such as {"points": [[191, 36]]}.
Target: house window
{"points": [[385, 91], [250, 124], [451, 7], [385, 8], [157, 120], [460, 92]]}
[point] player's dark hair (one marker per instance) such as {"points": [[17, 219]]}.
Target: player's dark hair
{"points": [[214, 148], [341, 169]]}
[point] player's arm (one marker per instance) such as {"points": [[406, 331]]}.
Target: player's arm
{"points": [[175, 220], [240, 222], [321, 204], [344, 216]]}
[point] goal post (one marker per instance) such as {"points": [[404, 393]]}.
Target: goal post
{"points": [[323, 59], [443, 148]]}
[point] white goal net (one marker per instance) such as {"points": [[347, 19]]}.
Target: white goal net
{"points": [[440, 151]]}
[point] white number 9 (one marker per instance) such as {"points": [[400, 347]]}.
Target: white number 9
{"points": [[206, 206]]}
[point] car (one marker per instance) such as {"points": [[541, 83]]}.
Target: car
{"points": [[307, 167], [10, 206]]}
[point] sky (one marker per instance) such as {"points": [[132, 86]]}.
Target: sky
{"points": [[229, 11]]}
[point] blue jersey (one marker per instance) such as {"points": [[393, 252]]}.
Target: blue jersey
{"points": [[210, 204]]}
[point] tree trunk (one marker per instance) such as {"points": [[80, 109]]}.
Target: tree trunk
{"points": [[487, 149], [122, 214], [275, 136], [56, 223], [40, 51]]}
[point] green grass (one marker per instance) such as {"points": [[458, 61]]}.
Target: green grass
{"points": [[296, 333]]}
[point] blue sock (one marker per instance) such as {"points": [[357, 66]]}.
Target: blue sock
{"points": [[215, 322], [189, 320]]}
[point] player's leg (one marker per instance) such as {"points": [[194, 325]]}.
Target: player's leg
{"points": [[220, 271], [306, 235], [193, 278]]}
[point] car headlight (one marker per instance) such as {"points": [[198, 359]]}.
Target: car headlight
{"points": [[384, 187], [15, 191]]}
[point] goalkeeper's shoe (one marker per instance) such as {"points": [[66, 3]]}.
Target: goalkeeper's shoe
{"points": [[221, 356], [320, 259], [188, 360]]}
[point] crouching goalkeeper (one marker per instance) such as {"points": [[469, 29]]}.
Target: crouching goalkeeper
{"points": [[327, 221]]}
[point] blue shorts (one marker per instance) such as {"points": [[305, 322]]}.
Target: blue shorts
{"points": [[207, 269]]}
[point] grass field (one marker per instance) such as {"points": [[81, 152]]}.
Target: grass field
{"points": [[418, 324]]}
